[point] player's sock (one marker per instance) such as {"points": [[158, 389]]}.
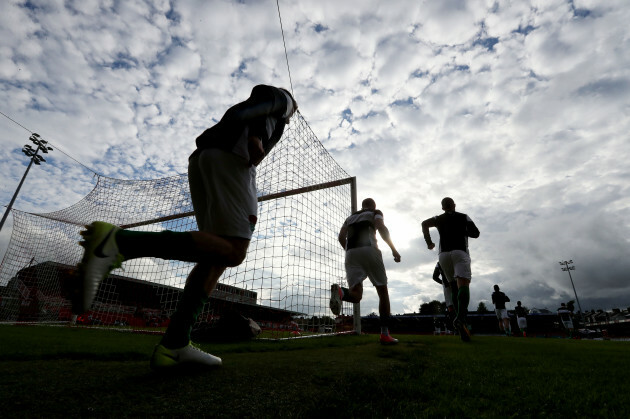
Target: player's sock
{"points": [[188, 309], [454, 288], [164, 244], [463, 298], [384, 322], [343, 292]]}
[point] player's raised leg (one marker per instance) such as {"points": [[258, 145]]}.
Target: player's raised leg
{"points": [[100, 257], [336, 294]]}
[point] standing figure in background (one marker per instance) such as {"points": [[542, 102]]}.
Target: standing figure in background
{"points": [[566, 319], [499, 299], [521, 318]]}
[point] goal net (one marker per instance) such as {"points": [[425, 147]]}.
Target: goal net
{"points": [[284, 283]]}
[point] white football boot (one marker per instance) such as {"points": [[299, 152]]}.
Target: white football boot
{"points": [[335, 300], [101, 256], [164, 358]]}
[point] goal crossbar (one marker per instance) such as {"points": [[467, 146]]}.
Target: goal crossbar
{"points": [[269, 197]]}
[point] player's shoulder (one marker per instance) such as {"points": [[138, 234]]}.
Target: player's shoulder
{"points": [[378, 213], [463, 215]]}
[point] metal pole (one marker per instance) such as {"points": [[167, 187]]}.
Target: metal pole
{"points": [[574, 292], [569, 269], [6, 214], [356, 307]]}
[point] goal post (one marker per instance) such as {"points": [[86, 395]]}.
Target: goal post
{"points": [[356, 307]]}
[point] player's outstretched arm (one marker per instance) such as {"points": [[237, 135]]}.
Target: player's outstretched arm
{"points": [[426, 224], [471, 228], [255, 149], [436, 274], [263, 101], [343, 236], [384, 232]]}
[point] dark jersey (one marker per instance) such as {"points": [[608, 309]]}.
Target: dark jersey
{"points": [[262, 115], [361, 229], [520, 311], [454, 228], [499, 299]]}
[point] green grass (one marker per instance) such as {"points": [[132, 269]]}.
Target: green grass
{"points": [[72, 372]]}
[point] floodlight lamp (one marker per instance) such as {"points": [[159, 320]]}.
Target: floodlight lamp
{"points": [[571, 261]]}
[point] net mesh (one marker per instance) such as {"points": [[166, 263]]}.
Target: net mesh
{"points": [[284, 283]]}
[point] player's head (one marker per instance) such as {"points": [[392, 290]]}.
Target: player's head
{"points": [[496, 288], [518, 303], [448, 204], [368, 204]]}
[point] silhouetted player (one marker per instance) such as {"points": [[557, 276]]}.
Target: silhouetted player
{"points": [[455, 228]]}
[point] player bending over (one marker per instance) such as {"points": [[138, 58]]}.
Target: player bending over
{"points": [[222, 179], [364, 260]]}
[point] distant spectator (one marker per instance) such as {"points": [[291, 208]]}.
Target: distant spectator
{"points": [[437, 325], [499, 299], [520, 312]]}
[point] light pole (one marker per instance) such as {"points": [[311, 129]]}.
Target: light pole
{"points": [[568, 269], [35, 158]]}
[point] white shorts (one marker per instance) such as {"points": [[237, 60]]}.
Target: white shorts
{"points": [[567, 322], [455, 263], [223, 193], [522, 322], [365, 262], [501, 313]]}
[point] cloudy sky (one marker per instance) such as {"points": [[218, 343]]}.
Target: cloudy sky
{"points": [[519, 110]]}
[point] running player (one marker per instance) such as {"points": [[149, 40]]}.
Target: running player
{"points": [[455, 228], [364, 260], [499, 299], [222, 178]]}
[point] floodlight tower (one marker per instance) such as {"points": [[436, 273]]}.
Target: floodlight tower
{"points": [[35, 158], [568, 269]]}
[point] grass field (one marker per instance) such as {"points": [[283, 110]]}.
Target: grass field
{"points": [[72, 372]]}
